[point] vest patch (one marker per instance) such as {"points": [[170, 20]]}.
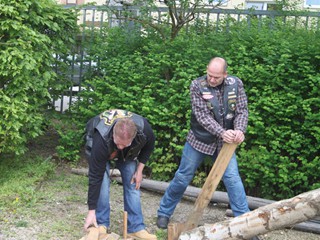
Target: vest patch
{"points": [[110, 116], [232, 104], [207, 96]]}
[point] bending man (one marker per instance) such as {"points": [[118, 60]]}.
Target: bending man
{"points": [[128, 139]]}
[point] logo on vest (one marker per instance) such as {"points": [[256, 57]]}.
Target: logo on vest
{"points": [[230, 81], [229, 116], [207, 95], [110, 116], [232, 104]]}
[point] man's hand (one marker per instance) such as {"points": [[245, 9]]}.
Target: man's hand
{"points": [[228, 136], [233, 136], [238, 137], [137, 177], [90, 220]]}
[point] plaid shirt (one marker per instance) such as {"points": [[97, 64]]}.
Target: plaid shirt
{"points": [[206, 118]]}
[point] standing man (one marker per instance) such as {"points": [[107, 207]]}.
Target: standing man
{"points": [[219, 114], [128, 139]]}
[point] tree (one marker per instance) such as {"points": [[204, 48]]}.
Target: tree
{"points": [[179, 14], [31, 31]]}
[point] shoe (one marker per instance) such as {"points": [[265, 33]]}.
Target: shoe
{"points": [[162, 222], [142, 235]]}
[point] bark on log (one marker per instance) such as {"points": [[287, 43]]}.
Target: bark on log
{"points": [[312, 225], [271, 217]]}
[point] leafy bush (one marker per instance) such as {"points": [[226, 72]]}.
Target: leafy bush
{"points": [[280, 70], [31, 31], [281, 73]]}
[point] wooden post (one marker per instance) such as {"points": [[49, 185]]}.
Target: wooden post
{"points": [[204, 197], [125, 224]]}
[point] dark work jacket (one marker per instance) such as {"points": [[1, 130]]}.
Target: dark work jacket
{"points": [[100, 145]]}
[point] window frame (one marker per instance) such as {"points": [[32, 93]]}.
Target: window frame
{"points": [[306, 5]]}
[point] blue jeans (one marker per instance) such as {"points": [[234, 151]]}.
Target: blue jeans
{"points": [[131, 197], [190, 161]]}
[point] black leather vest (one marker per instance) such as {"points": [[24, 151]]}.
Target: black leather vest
{"points": [[104, 124], [225, 116]]}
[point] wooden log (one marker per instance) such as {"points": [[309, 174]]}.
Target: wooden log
{"points": [[84, 171], [312, 225], [80, 171], [271, 217], [100, 233], [93, 233]]}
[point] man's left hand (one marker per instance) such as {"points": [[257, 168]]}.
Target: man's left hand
{"points": [[137, 178]]}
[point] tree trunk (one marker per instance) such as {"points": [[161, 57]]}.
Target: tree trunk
{"points": [[271, 217]]}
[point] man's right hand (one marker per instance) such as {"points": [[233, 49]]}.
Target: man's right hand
{"points": [[90, 220]]}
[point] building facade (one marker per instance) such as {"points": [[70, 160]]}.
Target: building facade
{"points": [[312, 5]]}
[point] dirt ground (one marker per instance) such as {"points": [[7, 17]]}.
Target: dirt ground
{"points": [[62, 219], [60, 214]]}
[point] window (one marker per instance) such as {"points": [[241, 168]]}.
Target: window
{"points": [[71, 2], [312, 3], [256, 5], [220, 2], [263, 6]]}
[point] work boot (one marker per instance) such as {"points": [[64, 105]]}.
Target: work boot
{"points": [[142, 235], [162, 222]]}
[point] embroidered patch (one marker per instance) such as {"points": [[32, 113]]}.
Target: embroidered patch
{"points": [[229, 116], [203, 82], [110, 116], [209, 105], [207, 96], [232, 104], [230, 81]]}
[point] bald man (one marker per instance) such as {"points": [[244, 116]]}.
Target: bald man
{"points": [[219, 114]]}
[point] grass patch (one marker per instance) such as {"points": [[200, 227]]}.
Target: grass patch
{"points": [[21, 178], [35, 190]]}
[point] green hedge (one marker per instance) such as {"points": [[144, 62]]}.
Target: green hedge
{"points": [[280, 70], [31, 31]]}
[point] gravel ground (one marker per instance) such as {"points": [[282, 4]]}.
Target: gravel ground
{"points": [[60, 211], [62, 217]]}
